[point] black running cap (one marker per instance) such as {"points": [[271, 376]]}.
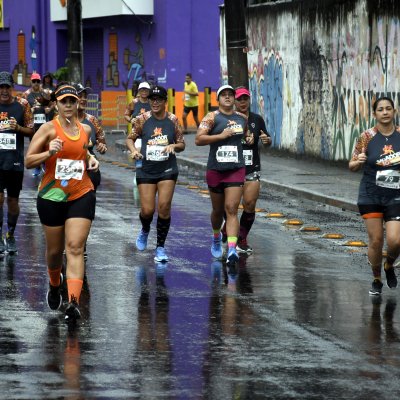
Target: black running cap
{"points": [[6, 78], [158, 91], [66, 91]]}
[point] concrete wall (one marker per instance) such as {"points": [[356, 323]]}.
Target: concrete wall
{"points": [[314, 72]]}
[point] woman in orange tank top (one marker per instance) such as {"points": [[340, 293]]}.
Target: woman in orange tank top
{"points": [[66, 199]]}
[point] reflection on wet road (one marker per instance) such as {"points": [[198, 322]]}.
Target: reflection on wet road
{"points": [[292, 321]]}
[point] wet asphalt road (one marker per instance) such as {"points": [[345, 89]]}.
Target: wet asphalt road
{"points": [[292, 321]]}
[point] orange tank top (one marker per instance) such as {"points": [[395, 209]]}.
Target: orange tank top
{"points": [[65, 177]]}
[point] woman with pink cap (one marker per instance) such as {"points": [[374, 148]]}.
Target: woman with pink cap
{"points": [[251, 153]]}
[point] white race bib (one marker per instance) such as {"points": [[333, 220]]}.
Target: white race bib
{"points": [[248, 157], [227, 154], [69, 169], [388, 178], [154, 153], [39, 119], [8, 141], [187, 97]]}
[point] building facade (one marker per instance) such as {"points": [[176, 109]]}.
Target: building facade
{"points": [[123, 41]]}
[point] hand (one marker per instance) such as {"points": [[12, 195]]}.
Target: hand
{"points": [[265, 139], [249, 138], [170, 149], [55, 146], [14, 124], [101, 147], [362, 157], [136, 155], [93, 163], [227, 133]]}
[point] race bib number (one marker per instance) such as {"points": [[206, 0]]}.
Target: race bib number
{"points": [[187, 97], [227, 154], [39, 119], [388, 179], [154, 153], [248, 157], [69, 169], [8, 141]]}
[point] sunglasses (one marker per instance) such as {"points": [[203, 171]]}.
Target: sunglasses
{"points": [[35, 81], [157, 99]]}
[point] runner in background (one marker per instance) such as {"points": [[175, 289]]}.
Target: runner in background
{"points": [[16, 122], [224, 130], [251, 153], [49, 87], [37, 100], [377, 153], [162, 137], [139, 104], [97, 139], [190, 101]]}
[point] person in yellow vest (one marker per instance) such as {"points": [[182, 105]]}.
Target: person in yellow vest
{"points": [[190, 101]]}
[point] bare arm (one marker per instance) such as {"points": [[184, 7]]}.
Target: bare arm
{"points": [[357, 163], [37, 152]]}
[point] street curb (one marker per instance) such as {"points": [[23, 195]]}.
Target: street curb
{"points": [[288, 189]]}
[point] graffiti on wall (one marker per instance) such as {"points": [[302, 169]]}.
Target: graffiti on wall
{"points": [[358, 77], [313, 134], [266, 87], [331, 75]]}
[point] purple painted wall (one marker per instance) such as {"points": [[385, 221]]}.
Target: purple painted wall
{"points": [[182, 37]]}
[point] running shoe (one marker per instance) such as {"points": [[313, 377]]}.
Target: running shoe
{"points": [[72, 312], [376, 288], [216, 246], [54, 297], [232, 257], [391, 279], [11, 244], [141, 241], [243, 247], [2, 245], [160, 256]]}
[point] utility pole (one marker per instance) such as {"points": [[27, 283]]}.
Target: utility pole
{"points": [[75, 46], [236, 42]]}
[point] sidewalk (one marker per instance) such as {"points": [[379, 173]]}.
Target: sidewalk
{"points": [[321, 181]]}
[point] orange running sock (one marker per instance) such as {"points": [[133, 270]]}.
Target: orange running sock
{"points": [[54, 275], [74, 289]]}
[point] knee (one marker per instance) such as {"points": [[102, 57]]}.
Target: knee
{"points": [[147, 212], [393, 242], [12, 204], [231, 209], [75, 248], [164, 210], [249, 206], [376, 243]]}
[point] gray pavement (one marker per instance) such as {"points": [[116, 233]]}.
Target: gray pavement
{"points": [[327, 182]]}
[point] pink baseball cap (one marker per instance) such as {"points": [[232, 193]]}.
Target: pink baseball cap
{"points": [[35, 75], [241, 92]]}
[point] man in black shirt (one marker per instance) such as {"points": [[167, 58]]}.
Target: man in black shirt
{"points": [[16, 122]]}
